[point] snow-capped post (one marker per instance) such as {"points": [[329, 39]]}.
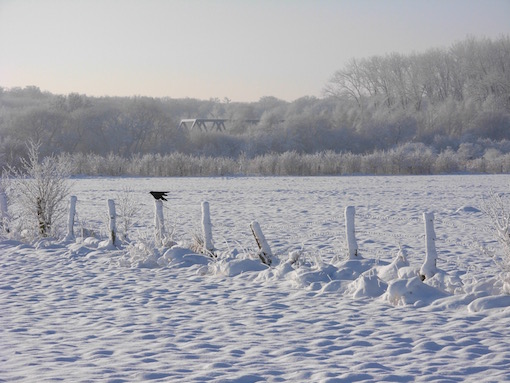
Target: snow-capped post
{"points": [[265, 253], [4, 215], [159, 222], [111, 224], [70, 220], [352, 244], [207, 229], [429, 267]]}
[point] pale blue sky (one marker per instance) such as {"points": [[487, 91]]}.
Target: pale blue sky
{"points": [[242, 50]]}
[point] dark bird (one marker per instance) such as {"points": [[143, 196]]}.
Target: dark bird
{"points": [[159, 195]]}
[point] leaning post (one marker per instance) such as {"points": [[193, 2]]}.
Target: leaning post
{"points": [[265, 253]]}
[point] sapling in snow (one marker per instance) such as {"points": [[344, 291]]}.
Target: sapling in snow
{"points": [[127, 211]]}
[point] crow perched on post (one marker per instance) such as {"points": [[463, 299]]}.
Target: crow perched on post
{"points": [[159, 195]]}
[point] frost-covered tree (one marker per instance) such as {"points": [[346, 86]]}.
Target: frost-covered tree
{"points": [[39, 189], [496, 207]]}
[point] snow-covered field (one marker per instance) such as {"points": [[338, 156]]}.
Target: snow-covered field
{"points": [[78, 311]]}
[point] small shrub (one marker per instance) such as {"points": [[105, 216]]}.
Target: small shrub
{"points": [[497, 207], [128, 210], [39, 190]]}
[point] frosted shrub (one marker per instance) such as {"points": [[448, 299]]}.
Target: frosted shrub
{"points": [[306, 259], [197, 244], [143, 253], [4, 214], [497, 208], [39, 189], [146, 249], [127, 211]]}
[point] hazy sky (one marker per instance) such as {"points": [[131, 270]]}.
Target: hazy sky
{"points": [[238, 49]]}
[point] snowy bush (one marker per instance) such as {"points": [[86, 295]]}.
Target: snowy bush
{"points": [[127, 212], [144, 252], [4, 214], [198, 242], [39, 190], [497, 208]]}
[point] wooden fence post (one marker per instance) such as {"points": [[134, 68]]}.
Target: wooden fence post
{"points": [[207, 228], [159, 222], [352, 244], [265, 253], [429, 267], [111, 224], [70, 220]]}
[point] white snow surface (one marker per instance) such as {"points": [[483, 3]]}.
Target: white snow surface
{"points": [[83, 311]]}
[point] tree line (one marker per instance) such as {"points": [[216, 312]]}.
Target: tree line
{"points": [[407, 159], [446, 104]]}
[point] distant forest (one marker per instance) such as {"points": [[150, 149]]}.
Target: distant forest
{"points": [[444, 110]]}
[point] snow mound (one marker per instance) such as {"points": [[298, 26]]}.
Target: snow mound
{"points": [[467, 209], [331, 287], [278, 272], [353, 268], [411, 292], [446, 282], [390, 272], [455, 302], [306, 276], [367, 285], [408, 272], [178, 256], [316, 276], [231, 267], [498, 302]]}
